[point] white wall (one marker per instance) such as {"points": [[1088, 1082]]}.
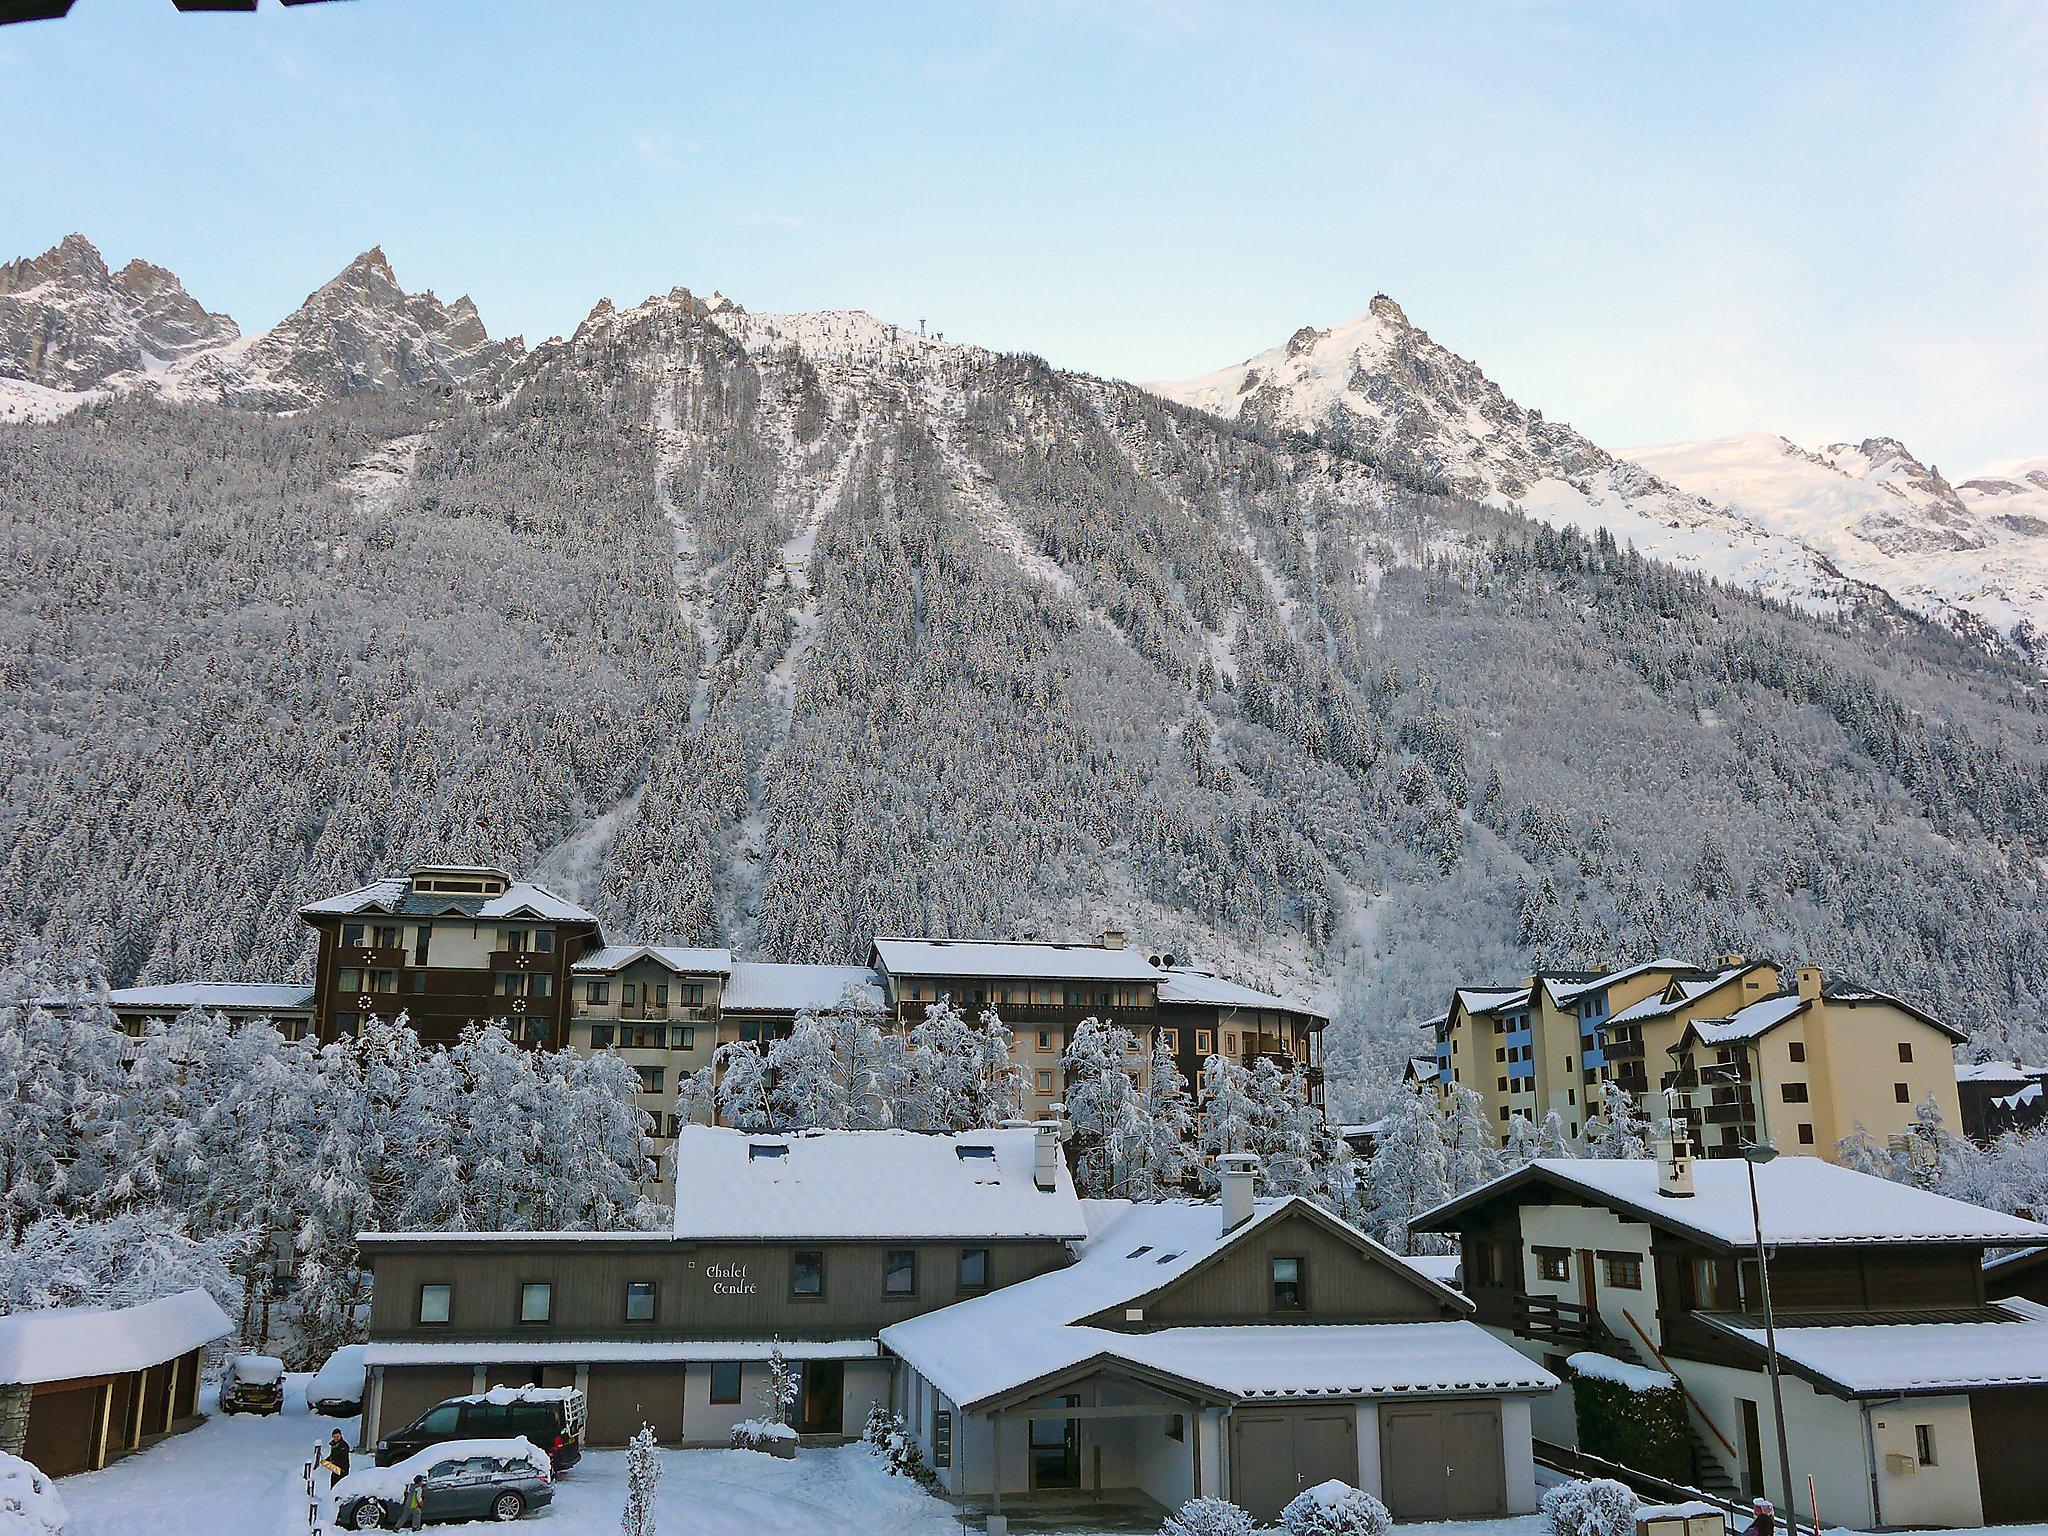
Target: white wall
{"points": [[1947, 1493], [1826, 1436], [1585, 1227], [1518, 1454]]}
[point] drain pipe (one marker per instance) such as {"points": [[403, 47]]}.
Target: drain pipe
{"points": [[1870, 1466]]}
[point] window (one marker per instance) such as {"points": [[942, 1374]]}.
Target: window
{"points": [[899, 1272], [1923, 1443], [435, 1297], [600, 1036], [1554, 1263], [1797, 1049], [660, 994], [976, 1152], [757, 1150], [597, 991], [1706, 1283], [1288, 1295], [639, 1301], [651, 1078], [351, 980], [1501, 1084], [629, 993], [1623, 1271], [420, 936], [1906, 1054], [1045, 1039], [352, 934], [725, 1381], [807, 1272], [683, 1037], [1045, 1082], [541, 985], [387, 936], [1229, 1043], [973, 1269], [1806, 1135], [1205, 1041], [1902, 1093], [1794, 1093], [1172, 1039], [536, 1301], [544, 940], [515, 940], [1176, 1427]]}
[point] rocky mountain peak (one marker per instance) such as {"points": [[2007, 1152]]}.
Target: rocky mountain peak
{"points": [[68, 323], [1384, 308]]}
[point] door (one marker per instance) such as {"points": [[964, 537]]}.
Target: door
{"points": [[444, 1495], [1589, 1280], [824, 1398], [1276, 1453], [1752, 1450], [1442, 1461], [1999, 1421], [1055, 1459]]}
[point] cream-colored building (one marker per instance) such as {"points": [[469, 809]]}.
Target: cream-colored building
{"points": [[1748, 1057]]}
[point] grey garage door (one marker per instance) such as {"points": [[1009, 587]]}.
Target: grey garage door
{"points": [[1277, 1452], [1442, 1461]]}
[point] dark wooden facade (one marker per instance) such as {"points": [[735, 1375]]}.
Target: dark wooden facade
{"points": [[80, 1424]]}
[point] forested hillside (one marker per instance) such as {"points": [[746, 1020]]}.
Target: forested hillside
{"points": [[783, 631]]}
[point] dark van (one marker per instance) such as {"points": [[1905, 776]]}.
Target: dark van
{"points": [[551, 1417]]}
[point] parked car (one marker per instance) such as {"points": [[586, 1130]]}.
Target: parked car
{"points": [[252, 1384], [337, 1387], [551, 1417], [461, 1480]]}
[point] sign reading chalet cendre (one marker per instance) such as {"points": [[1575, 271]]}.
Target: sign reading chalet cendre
{"points": [[730, 1279]]}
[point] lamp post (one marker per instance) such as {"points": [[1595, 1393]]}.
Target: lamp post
{"points": [[1754, 1156]]}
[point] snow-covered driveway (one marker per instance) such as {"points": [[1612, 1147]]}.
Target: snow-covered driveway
{"points": [[240, 1477]]}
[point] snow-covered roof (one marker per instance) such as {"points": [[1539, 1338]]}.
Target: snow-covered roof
{"points": [[1191, 984], [772, 988], [1491, 999], [395, 894], [868, 1184], [689, 962], [1747, 1023], [2009, 1073], [1024, 959], [1565, 991], [1804, 1200], [1626, 1373], [1690, 989], [64, 1343], [982, 1348], [1907, 1358], [214, 994], [613, 1351]]}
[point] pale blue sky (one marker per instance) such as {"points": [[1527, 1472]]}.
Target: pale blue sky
{"points": [[1655, 221]]}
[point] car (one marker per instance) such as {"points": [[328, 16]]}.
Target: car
{"points": [[460, 1480], [337, 1387], [252, 1384], [551, 1417]]}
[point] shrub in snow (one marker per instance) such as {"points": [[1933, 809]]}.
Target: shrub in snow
{"points": [[28, 1504], [779, 1388], [1597, 1508], [1335, 1509], [1208, 1517], [881, 1426], [764, 1435], [1630, 1415], [643, 1476]]}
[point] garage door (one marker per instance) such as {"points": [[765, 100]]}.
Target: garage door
{"points": [[2000, 1422], [61, 1427], [1275, 1453], [1442, 1461]]}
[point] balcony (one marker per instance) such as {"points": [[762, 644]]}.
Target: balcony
{"points": [[1551, 1321], [662, 1013], [370, 957], [522, 960], [1623, 1050]]}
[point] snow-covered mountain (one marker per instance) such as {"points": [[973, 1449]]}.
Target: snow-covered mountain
{"points": [[1975, 548], [67, 323], [71, 332], [1381, 384]]}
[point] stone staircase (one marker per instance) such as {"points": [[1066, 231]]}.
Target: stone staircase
{"points": [[1708, 1475]]}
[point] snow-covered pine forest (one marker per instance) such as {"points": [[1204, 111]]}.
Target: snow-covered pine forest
{"points": [[781, 632]]}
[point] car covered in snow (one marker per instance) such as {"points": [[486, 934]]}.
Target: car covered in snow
{"points": [[252, 1384], [459, 1480], [551, 1417], [337, 1387]]}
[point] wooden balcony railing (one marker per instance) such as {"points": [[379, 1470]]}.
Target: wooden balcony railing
{"points": [[1551, 1320]]}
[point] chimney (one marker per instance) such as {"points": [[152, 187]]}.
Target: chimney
{"points": [[1045, 1154], [1674, 1160], [1809, 983], [1239, 1174], [1112, 938]]}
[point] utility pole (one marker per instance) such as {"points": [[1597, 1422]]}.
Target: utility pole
{"points": [[1755, 1156]]}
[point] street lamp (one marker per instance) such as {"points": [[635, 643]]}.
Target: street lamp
{"points": [[1755, 1156]]}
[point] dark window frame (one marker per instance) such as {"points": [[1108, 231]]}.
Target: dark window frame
{"points": [[960, 1270], [420, 1318], [1277, 1287], [653, 1303], [536, 1322], [738, 1382], [797, 1256], [890, 1268], [1553, 1264], [1793, 1093], [1622, 1271]]}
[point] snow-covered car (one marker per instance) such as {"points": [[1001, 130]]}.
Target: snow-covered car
{"points": [[551, 1417], [460, 1480], [337, 1387], [252, 1384]]}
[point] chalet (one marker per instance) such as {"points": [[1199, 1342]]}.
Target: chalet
{"points": [[1999, 1096], [287, 1005], [1904, 1381], [83, 1386]]}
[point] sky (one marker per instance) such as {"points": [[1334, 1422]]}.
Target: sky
{"points": [[1654, 221]]}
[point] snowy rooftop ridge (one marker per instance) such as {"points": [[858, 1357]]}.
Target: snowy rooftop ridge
{"points": [[65, 1343], [775, 987], [1019, 958], [1805, 1202], [684, 961], [1885, 1359], [1196, 984], [214, 994], [737, 1185], [395, 893]]}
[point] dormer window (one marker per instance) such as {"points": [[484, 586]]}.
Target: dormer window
{"points": [[757, 1150], [1166, 1258]]}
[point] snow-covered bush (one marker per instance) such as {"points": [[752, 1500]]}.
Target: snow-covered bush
{"points": [[643, 1476], [28, 1504], [1600, 1507], [764, 1435], [882, 1425], [1335, 1509], [1208, 1517]]}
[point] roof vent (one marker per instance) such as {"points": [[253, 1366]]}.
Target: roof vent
{"points": [[756, 1150], [1142, 1248]]}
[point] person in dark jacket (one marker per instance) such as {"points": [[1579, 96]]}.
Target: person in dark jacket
{"points": [[335, 1459], [1763, 1520]]}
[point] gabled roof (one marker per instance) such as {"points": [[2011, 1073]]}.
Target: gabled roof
{"points": [[65, 1343], [1805, 1203], [999, 959], [758, 986], [1193, 984], [214, 994], [1564, 990], [1999, 1073], [1683, 990], [395, 895], [1759, 1018], [1491, 999], [687, 962], [1849, 994], [1019, 1338], [734, 1185]]}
